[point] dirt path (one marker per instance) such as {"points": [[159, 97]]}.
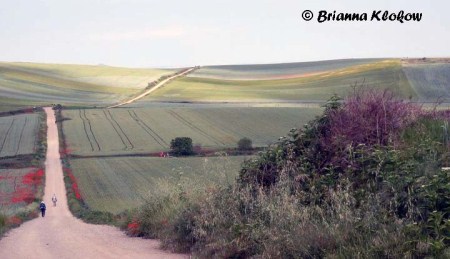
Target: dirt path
{"points": [[153, 88], [60, 235]]}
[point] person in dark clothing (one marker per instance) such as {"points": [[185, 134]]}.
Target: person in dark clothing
{"points": [[42, 208]]}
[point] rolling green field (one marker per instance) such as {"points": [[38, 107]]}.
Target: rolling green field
{"points": [[315, 87], [134, 78], [18, 134], [93, 132], [276, 71], [429, 81], [121, 183], [33, 84]]}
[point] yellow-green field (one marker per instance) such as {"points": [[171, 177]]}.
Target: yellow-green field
{"points": [[143, 130], [120, 183], [304, 87], [277, 70], [134, 78]]}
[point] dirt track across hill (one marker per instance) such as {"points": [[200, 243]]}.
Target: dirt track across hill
{"points": [[60, 235], [163, 82]]}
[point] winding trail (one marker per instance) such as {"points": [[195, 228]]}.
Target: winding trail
{"points": [[163, 82], [60, 235]]}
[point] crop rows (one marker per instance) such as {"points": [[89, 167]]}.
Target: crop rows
{"points": [[149, 130], [18, 134]]}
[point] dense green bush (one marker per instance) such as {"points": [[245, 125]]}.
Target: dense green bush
{"points": [[181, 146], [245, 144]]}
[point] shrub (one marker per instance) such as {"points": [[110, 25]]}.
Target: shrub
{"points": [[182, 146], [245, 144]]}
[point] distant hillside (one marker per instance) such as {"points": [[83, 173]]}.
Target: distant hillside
{"points": [[419, 80], [430, 78], [28, 84], [276, 71], [317, 86]]}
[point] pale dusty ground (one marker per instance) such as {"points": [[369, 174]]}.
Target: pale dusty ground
{"points": [[60, 235]]}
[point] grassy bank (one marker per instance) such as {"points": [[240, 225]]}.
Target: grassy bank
{"points": [[365, 180]]}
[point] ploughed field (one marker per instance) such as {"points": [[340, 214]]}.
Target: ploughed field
{"points": [[126, 131], [116, 184]]}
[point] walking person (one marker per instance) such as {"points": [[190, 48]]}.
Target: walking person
{"points": [[54, 200], [42, 208]]}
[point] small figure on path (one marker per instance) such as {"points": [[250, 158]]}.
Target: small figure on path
{"points": [[54, 200], [42, 208]]}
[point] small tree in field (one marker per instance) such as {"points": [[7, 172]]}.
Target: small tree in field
{"points": [[245, 144], [181, 146]]}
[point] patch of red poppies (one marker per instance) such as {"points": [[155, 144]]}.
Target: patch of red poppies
{"points": [[133, 228], [73, 180], [33, 178], [26, 191]]}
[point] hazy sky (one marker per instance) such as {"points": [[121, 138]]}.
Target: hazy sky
{"points": [[145, 33]]}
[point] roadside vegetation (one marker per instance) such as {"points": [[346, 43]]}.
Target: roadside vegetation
{"points": [[364, 179]]}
